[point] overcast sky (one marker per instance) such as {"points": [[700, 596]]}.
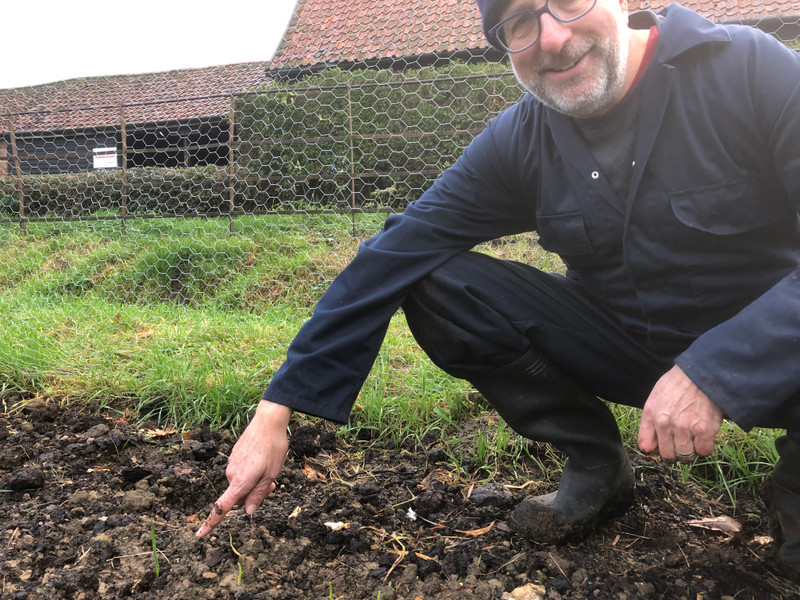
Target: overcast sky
{"points": [[51, 40]]}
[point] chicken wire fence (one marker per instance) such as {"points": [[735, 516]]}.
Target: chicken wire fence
{"points": [[242, 204], [319, 158], [221, 216]]}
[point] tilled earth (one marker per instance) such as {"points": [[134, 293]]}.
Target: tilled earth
{"points": [[95, 508]]}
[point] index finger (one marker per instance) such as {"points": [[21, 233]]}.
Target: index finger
{"points": [[219, 509]]}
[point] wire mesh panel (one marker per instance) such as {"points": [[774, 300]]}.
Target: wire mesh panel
{"points": [[167, 249], [173, 260], [361, 141]]}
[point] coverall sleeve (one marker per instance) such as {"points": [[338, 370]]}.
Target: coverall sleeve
{"points": [[749, 365], [331, 356]]}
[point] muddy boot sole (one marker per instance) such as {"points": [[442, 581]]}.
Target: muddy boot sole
{"points": [[547, 520]]}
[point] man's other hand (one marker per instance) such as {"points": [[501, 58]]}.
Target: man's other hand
{"points": [[254, 463], [679, 420]]}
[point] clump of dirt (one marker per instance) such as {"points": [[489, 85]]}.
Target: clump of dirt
{"points": [[95, 508]]}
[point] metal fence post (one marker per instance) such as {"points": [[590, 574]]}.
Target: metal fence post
{"points": [[18, 170], [124, 138], [231, 165], [352, 160]]}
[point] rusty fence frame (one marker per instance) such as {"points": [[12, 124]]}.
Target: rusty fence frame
{"points": [[120, 128]]}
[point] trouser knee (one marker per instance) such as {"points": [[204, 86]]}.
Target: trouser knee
{"points": [[443, 340], [456, 324], [475, 314]]}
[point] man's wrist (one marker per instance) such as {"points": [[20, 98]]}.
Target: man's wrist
{"points": [[274, 412]]}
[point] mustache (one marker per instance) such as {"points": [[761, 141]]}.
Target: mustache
{"points": [[565, 58]]}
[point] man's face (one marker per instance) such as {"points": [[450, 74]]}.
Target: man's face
{"points": [[576, 68]]}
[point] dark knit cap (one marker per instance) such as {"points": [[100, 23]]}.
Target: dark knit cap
{"points": [[490, 13]]}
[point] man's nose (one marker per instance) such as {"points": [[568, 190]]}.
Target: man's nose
{"points": [[552, 34]]}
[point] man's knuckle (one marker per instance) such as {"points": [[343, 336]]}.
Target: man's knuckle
{"points": [[663, 420]]}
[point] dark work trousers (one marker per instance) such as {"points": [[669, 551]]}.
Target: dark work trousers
{"points": [[476, 314]]}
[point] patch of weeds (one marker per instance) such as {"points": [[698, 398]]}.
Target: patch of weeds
{"points": [[740, 461]]}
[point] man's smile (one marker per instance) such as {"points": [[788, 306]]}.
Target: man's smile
{"points": [[565, 62]]}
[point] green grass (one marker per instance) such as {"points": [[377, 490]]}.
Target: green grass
{"points": [[154, 548], [179, 321], [176, 317]]}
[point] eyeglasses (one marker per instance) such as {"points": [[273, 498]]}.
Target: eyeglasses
{"points": [[521, 30]]}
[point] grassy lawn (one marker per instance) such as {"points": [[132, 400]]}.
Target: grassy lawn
{"points": [[180, 321]]}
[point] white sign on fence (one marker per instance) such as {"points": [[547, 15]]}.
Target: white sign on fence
{"points": [[105, 158]]}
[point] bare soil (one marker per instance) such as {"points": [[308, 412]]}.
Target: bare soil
{"points": [[93, 507]]}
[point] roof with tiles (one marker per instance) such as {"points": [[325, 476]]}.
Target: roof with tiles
{"points": [[321, 32], [731, 11], [151, 97], [333, 32]]}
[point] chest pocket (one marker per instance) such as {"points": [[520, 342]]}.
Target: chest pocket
{"points": [[729, 208], [564, 234]]}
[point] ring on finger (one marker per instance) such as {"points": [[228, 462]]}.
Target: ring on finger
{"points": [[685, 454]]}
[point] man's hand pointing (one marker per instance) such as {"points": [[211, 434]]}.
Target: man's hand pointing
{"points": [[254, 463]]}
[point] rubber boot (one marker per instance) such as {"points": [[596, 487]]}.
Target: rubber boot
{"points": [[541, 403], [786, 501]]}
